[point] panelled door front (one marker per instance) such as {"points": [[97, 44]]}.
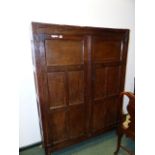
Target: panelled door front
{"points": [[66, 67], [107, 56]]}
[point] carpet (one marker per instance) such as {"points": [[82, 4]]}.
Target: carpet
{"points": [[104, 144]]}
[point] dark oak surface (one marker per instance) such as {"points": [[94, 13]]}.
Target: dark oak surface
{"points": [[79, 74]]}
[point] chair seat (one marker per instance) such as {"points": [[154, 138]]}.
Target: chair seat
{"points": [[127, 121]]}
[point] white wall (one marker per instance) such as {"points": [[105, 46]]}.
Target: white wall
{"points": [[102, 13]]}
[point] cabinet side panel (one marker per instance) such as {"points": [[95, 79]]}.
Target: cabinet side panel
{"points": [[40, 85]]}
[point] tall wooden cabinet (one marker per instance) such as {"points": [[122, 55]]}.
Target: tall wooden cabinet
{"points": [[79, 74]]}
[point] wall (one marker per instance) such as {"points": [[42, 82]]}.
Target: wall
{"points": [[102, 13]]}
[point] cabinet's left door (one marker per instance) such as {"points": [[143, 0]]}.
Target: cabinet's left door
{"points": [[63, 83]]}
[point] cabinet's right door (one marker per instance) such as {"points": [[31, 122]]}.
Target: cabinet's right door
{"points": [[108, 71]]}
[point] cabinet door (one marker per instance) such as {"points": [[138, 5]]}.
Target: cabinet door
{"points": [[107, 68], [65, 61]]}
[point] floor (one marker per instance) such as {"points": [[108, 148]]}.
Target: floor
{"points": [[100, 145]]}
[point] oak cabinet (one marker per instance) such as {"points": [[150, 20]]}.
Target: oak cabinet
{"points": [[79, 74]]}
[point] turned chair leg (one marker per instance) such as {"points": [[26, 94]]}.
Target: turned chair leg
{"points": [[118, 143]]}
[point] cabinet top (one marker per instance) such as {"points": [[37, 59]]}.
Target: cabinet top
{"points": [[57, 28]]}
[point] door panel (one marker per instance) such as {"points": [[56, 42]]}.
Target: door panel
{"points": [[113, 80], [106, 50], [99, 83], [64, 52], [98, 116], [77, 121], [56, 89], [112, 109], [76, 87], [58, 126]]}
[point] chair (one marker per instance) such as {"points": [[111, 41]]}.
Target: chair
{"points": [[127, 122]]}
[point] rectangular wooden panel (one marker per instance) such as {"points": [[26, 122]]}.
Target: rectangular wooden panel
{"points": [[77, 121], [113, 80], [58, 129], [76, 87], [56, 89], [106, 50], [98, 116], [99, 81], [64, 52], [112, 110]]}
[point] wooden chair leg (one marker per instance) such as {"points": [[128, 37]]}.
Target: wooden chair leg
{"points": [[47, 152], [118, 143]]}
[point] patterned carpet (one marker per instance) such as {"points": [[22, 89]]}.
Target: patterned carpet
{"points": [[100, 145]]}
